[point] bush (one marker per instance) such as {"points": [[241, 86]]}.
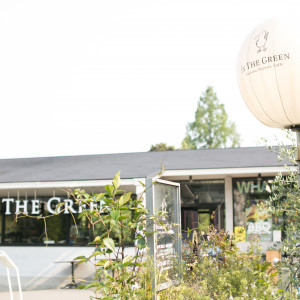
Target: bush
{"points": [[229, 274]]}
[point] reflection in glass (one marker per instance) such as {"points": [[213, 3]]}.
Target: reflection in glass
{"points": [[165, 201], [66, 228], [27, 230], [247, 195]]}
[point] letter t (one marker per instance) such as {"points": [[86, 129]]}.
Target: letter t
{"points": [[8, 201]]}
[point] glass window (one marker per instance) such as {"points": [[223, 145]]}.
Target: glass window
{"points": [[28, 229], [202, 192], [202, 203], [250, 222], [82, 231], [65, 228]]}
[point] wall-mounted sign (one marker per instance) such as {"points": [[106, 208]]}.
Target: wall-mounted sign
{"points": [[33, 207]]}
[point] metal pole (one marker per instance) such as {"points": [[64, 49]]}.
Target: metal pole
{"points": [[151, 237], [9, 284], [19, 284], [2, 224], [298, 153]]}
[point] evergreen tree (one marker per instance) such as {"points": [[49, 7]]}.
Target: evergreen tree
{"points": [[211, 128]]}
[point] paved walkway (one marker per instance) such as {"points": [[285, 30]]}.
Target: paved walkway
{"points": [[61, 294]]}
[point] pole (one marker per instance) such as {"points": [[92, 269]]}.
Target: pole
{"points": [[298, 153]]}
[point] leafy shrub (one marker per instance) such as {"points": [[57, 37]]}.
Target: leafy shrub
{"points": [[117, 275], [284, 204], [228, 274]]}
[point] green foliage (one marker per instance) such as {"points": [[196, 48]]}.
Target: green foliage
{"points": [[211, 128], [122, 216], [229, 274], [161, 147], [284, 204]]}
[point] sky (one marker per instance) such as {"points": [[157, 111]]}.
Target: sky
{"points": [[93, 77]]}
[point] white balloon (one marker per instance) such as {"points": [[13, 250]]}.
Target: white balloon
{"points": [[268, 71]]}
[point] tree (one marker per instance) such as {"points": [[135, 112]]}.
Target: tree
{"points": [[211, 128], [284, 205], [161, 147]]}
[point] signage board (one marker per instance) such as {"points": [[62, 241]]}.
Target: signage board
{"points": [[259, 224], [33, 206], [251, 221], [163, 200]]}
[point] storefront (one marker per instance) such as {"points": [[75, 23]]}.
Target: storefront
{"points": [[63, 226], [222, 187]]}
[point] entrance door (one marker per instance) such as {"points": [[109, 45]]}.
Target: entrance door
{"points": [[201, 218], [202, 204]]}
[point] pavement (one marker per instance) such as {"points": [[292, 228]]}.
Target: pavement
{"points": [[55, 294]]}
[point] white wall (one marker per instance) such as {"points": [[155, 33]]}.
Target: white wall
{"points": [[38, 269]]}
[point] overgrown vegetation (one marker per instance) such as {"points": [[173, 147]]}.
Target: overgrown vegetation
{"points": [[217, 269], [211, 269], [284, 204], [118, 274]]}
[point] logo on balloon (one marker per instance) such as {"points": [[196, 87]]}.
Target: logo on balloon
{"points": [[261, 40]]}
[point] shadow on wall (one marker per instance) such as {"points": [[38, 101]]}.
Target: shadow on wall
{"points": [[39, 268]]}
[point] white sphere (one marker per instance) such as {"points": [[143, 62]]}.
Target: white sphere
{"points": [[268, 72]]}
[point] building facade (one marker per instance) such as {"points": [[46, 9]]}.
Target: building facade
{"points": [[222, 187]]}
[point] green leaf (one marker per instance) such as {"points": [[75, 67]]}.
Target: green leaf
{"points": [[109, 243], [97, 239], [142, 184], [80, 257], [91, 285], [82, 214], [126, 259], [120, 192], [113, 222], [115, 214], [96, 253], [108, 251], [116, 181], [110, 190], [106, 264], [98, 197], [141, 243], [124, 199], [103, 235], [86, 196], [101, 262]]}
